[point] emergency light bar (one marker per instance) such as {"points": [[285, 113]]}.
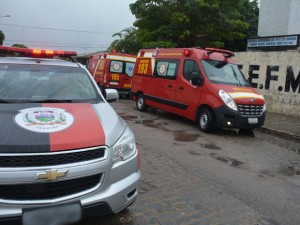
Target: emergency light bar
{"points": [[226, 53], [13, 51]]}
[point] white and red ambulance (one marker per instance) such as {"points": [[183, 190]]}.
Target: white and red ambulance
{"points": [[112, 70], [203, 85]]}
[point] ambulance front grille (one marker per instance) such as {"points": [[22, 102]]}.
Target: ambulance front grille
{"points": [[250, 110], [51, 159]]}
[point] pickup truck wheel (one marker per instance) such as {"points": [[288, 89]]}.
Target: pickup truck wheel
{"points": [[206, 120], [140, 103]]}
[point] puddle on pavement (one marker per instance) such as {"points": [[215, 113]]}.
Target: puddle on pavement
{"points": [[125, 219], [150, 123], [127, 117], [230, 161], [288, 170], [211, 146], [192, 152], [266, 221], [268, 173], [185, 137]]}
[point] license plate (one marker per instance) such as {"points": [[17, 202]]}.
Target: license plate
{"points": [[113, 83], [252, 120], [56, 215]]}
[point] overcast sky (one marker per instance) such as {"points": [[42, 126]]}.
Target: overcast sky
{"points": [[91, 23]]}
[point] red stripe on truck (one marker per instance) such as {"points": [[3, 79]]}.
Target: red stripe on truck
{"points": [[86, 130]]}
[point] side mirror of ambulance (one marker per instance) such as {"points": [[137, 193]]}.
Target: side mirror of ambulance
{"points": [[196, 79], [111, 95]]}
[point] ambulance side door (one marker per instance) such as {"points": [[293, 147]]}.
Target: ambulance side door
{"points": [[187, 94], [163, 89]]}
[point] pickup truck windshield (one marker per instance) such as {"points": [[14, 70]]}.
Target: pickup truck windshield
{"points": [[221, 72], [41, 83]]}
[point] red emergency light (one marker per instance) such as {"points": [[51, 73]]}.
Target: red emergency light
{"points": [[13, 51], [187, 52]]}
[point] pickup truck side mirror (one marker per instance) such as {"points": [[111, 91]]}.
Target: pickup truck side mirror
{"points": [[196, 79], [111, 95]]}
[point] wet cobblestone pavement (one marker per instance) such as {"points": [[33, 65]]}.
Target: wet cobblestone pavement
{"points": [[170, 195]]}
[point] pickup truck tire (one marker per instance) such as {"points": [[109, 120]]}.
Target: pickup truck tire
{"points": [[140, 103], [206, 120]]}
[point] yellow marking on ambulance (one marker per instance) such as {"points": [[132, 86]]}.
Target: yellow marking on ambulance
{"points": [[243, 89], [122, 58], [127, 85], [169, 54], [237, 95], [144, 61]]}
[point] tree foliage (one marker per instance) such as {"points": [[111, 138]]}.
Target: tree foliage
{"points": [[249, 13], [188, 23], [19, 46], [2, 37], [127, 41]]}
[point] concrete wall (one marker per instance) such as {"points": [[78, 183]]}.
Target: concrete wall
{"points": [[276, 75]]}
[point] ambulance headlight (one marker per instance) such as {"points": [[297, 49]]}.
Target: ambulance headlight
{"points": [[228, 101], [265, 107], [125, 146]]}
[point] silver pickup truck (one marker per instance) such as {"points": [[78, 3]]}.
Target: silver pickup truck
{"points": [[64, 152]]}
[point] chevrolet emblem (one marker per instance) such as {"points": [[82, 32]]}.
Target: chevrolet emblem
{"points": [[51, 175]]}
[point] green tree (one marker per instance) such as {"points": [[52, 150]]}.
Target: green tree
{"points": [[2, 37], [127, 41], [249, 13], [188, 23], [19, 46]]}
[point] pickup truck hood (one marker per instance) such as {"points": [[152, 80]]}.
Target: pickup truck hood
{"points": [[32, 128]]}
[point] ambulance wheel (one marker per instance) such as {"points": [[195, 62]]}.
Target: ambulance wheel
{"points": [[140, 103], [206, 120]]}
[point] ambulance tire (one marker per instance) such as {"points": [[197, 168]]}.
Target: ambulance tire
{"points": [[140, 103], [206, 120]]}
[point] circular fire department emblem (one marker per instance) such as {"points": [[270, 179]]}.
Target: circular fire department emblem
{"points": [[44, 119], [116, 66], [162, 69]]}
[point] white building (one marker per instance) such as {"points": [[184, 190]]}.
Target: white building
{"points": [[279, 17]]}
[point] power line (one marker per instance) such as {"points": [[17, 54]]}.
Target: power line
{"points": [[56, 29], [69, 46], [59, 43]]}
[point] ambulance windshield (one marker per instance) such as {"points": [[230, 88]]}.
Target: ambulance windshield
{"points": [[222, 72]]}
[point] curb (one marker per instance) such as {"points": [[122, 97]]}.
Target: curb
{"points": [[282, 134], [285, 139]]}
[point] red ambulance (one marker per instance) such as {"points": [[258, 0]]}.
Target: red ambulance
{"points": [[203, 85], [112, 70]]}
